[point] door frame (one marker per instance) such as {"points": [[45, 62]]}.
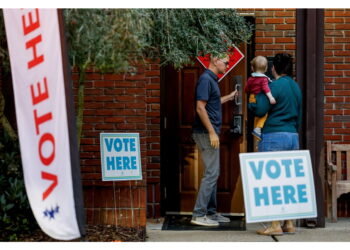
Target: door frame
{"points": [[250, 52]]}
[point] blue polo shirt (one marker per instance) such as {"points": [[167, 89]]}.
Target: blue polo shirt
{"points": [[207, 89]]}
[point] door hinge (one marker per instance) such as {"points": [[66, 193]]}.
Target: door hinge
{"points": [[165, 193], [165, 123]]}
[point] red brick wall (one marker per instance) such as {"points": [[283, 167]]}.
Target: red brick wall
{"points": [[119, 103], [274, 31], [153, 139], [337, 75], [337, 85]]}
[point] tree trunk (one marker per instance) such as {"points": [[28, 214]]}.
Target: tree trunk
{"points": [[80, 111]]}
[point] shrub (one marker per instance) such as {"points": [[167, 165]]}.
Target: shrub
{"points": [[16, 216]]}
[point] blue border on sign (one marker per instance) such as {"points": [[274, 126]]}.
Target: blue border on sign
{"points": [[120, 135], [261, 155]]}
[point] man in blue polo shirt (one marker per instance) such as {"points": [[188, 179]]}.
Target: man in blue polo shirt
{"points": [[206, 131]]}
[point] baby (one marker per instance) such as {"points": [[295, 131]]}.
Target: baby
{"points": [[256, 83]]}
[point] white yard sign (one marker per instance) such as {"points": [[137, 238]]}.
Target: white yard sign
{"points": [[120, 156], [278, 185]]}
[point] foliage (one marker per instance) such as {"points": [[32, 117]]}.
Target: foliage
{"points": [[179, 35], [15, 214], [4, 56], [106, 39]]}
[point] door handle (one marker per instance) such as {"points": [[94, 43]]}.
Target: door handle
{"points": [[238, 98]]}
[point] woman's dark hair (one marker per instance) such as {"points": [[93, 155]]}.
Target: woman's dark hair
{"points": [[283, 64]]}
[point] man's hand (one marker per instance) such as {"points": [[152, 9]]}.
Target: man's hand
{"points": [[233, 94], [214, 140], [229, 97]]}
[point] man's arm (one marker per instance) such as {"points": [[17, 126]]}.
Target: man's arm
{"points": [[228, 97], [203, 115]]}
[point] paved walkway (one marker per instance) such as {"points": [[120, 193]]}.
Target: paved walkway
{"points": [[333, 232]]}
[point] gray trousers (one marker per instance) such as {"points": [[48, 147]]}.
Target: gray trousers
{"points": [[206, 199]]}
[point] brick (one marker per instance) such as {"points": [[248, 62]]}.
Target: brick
{"points": [[272, 33], [123, 126], [152, 73], [333, 112], [334, 99], [285, 26], [284, 13], [341, 40], [135, 119], [328, 118], [328, 80], [334, 20], [103, 98], [101, 83], [334, 33], [328, 131], [153, 86], [332, 124], [343, 118], [264, 40], [137, 91], [125, 84], [273, 46], [343, 80], [143, 217], [125, 98], [334, 46], [264, 13], [275, 9], [332, 137], [342, 13], [91, 176], [114, 119], [134, 77], [265, 53], [328, 93], [289, 33], [334, 59], [333, 73], [342, 66], [93, 76], [113, 105], [266, 27], [93, 92], [274, 20], [328, 13], [91, 120], [341, 53], [96, 217], [329, 66], [290, 20], [329, 26], [135, 105], [328, 40], [343, 106], [284, 40]]}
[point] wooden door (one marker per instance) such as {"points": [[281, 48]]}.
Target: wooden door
{"points": [[182, 167]]}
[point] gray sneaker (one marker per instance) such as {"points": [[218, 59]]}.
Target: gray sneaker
{"points": [[204, 221], [218, 218]]}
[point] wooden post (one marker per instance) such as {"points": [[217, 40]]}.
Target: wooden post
{"points": [[309, 71]]}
